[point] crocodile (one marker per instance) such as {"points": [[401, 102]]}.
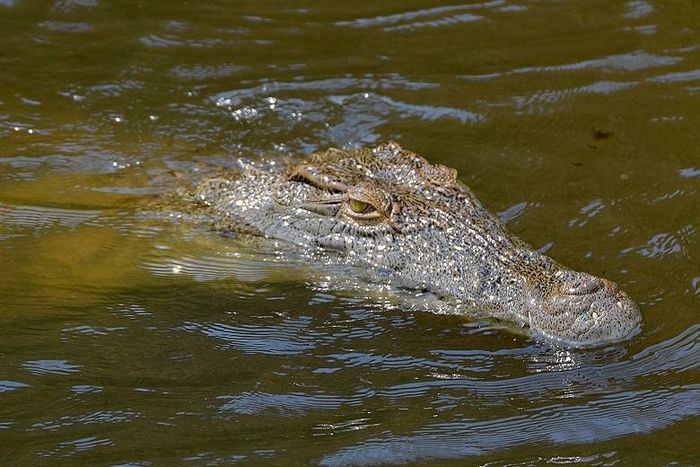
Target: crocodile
{"points": [[388, 210]]}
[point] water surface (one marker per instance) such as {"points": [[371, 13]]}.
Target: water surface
{"points": [[128, 337]]}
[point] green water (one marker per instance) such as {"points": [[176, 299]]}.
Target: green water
{"points": [[130, 338]]}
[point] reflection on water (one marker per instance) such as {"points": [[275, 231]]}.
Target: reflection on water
{"points": [[132, 336], [608, 417]]}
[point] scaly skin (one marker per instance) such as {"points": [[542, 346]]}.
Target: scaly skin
{"points": [[389, 211]]}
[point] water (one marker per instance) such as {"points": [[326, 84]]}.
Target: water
{"points": [[130, 338]]}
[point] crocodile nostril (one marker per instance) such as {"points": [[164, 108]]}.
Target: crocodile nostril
{"points": [[583, 284]]}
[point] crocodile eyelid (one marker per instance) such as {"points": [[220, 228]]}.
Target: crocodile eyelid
{"points": [[304, 174]]}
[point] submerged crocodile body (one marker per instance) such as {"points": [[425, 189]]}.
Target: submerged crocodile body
{"points": [[390, 211]]}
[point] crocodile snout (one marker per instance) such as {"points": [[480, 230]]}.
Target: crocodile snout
{"points": [[584, 310]]}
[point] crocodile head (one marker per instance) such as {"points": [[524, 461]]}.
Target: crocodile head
{"points": [[389, 211]]}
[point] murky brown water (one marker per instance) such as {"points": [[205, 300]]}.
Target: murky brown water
{"points": [[126, 338]]}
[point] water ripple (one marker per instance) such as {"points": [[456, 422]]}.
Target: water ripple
{"points": [[637, 9], [390, 362], [446, 21], [325, 109], [627, 62], [7, 386], [171, 40], [679, 354], [42, 217], [76, 446], [51, 367], [679, 76], [665, 244], [384, 21], [201, 72], [292, 337], [609, 417], [209, 268], [390, 81], [62, 26], [292, 404], [100, 417], [631, 61], [424, 112], [689, 172]]}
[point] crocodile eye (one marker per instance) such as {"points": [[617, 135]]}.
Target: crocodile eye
{"points": [[359, 207]]}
